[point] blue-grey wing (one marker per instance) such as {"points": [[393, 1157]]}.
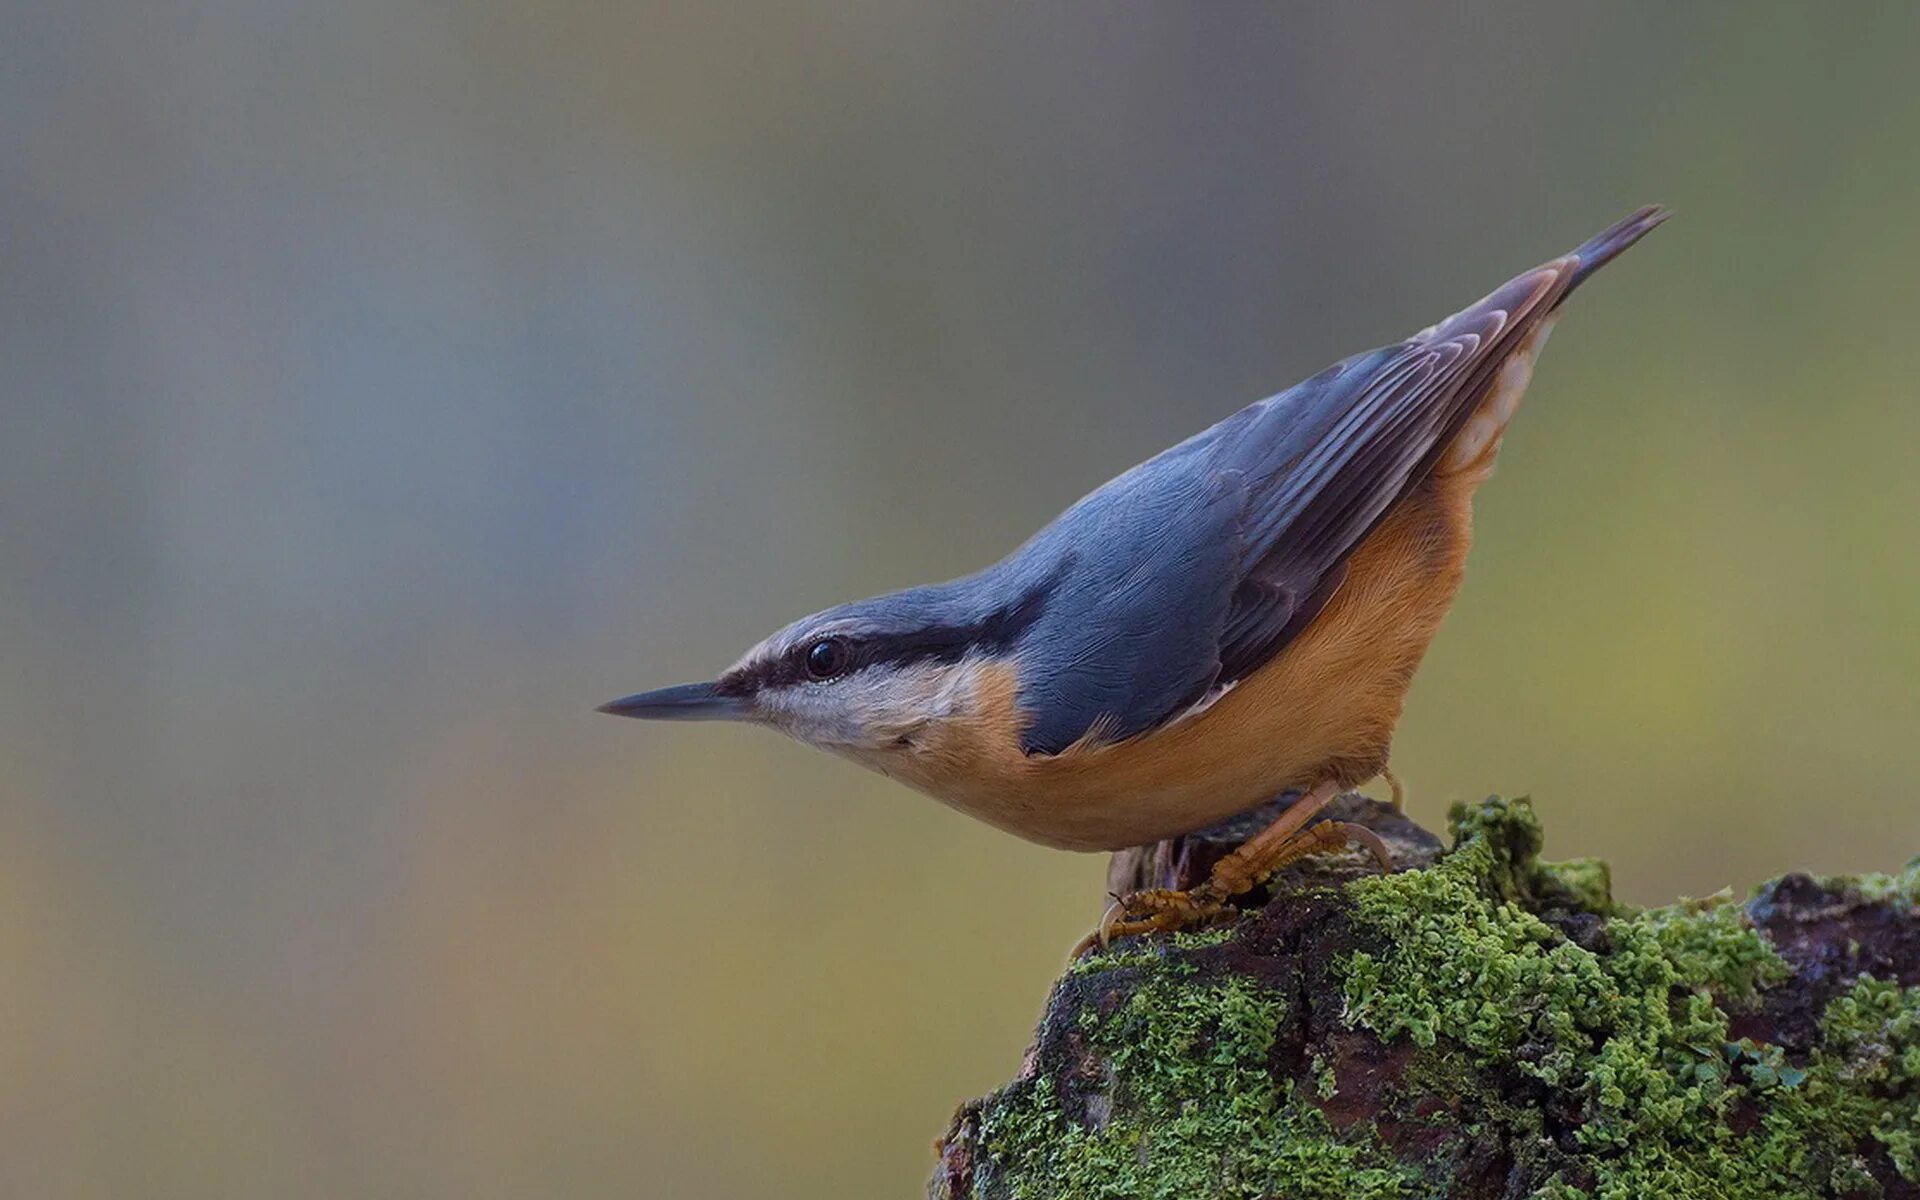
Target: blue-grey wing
{"points": [[1209, 559], [1131, 629], [1326, 460], [1194, 569]]}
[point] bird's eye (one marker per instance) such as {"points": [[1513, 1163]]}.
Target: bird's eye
{"points": [[828, 658]]}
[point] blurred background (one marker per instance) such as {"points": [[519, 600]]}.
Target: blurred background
{"points": [[385, 383]]}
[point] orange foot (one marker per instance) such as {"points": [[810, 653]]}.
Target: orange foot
{"points": [[1289, 839]]}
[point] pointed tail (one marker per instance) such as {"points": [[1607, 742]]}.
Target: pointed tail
{"points": [[1603, 247]]}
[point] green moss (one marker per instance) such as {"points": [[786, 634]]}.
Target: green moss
{"points": [[1497, 1001], [1195, 1110], [1326, 1081], [1584, 883], [1464, 954], [1902, 887], [1859, 1089], [1159, 954], [1871, 1056], [1632, 1033], [1141, 954]]}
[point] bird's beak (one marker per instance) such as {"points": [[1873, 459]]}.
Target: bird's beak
{"points": [[688, 702]]}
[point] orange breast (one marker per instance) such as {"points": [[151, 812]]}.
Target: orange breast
{"points": [[1325, 707]]}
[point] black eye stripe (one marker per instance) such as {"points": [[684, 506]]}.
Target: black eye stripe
{"points": [[935, 643]]}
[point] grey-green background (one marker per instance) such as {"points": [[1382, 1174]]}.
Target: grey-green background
{"points": [[384, 383]]}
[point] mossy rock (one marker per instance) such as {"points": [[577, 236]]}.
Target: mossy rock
{"points": [[1489, 1025]]}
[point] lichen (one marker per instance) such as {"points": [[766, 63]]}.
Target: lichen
{"points": [[1901, 887], [1159, 954], [1632, 1032], [1812, 1124], [1584, 883], [1461, 954], [1326, 1080], [1492, 1025], [1197, 1111]]}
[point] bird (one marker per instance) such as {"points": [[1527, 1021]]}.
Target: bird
{"points": [[1238, 617]]}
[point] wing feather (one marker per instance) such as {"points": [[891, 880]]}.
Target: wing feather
{"points": [[1377, 435], [1198, 566]]}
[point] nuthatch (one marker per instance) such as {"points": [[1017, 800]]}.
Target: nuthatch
{"points": [[1237, 616]]}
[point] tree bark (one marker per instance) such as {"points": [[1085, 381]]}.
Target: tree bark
{"points": [[1479, 1023]]}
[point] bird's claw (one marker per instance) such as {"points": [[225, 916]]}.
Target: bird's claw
{"points": [[1156, 910], [1162, 910], [1368, 840]]}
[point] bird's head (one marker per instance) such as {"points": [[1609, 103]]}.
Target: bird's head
{"points": [[870, 680]]}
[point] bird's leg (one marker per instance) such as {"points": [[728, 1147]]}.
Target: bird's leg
{"points": [[1289, 839], [1270, 849], [1399, 797]]}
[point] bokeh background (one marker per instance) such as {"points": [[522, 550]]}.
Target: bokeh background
{"points": [[385, 383]]}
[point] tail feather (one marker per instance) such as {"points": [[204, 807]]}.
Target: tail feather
{"points": [[1603, 247], [1473, 447]]}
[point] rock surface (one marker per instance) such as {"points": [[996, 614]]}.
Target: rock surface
{"points": [[1481, 1023]]}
